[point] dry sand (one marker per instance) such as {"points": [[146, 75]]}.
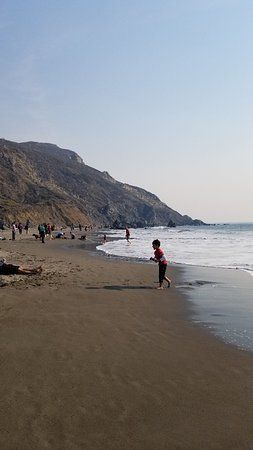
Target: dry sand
{"points": [[93, 357]]}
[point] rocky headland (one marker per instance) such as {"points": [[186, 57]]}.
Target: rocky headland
{"points": [[40, 181]]}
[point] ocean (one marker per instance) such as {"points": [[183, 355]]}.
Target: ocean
{"points": [[223, 307]]}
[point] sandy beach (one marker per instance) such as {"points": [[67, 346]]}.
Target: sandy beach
{"points": [[94, 357]]}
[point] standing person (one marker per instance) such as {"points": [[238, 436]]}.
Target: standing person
{"points": [[27, 226], [128, 235], [162, 262], [13, 231], [42, 232], [46, 230], [104, 239], [49, 230], [20, 228]]}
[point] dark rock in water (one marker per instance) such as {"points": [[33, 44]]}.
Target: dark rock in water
{"points": [[171, 224], [43, 182]]}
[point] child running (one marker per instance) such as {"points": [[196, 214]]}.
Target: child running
{"points": [[162, 262]]}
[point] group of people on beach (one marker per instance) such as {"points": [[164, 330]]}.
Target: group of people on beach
{"points": [[19, 227], [45, 229]]}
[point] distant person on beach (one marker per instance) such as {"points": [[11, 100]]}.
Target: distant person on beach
{"points": [[60, 235], [13, 231], [46, 230], [42, 232], [160, 258], [10, 269], [27, 226], [49, 230], [128, 235], [104, 239], [20, 228]]}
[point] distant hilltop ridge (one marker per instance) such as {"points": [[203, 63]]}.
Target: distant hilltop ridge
{"points": [[43, 182]]}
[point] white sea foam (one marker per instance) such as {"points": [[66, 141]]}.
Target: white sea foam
{"points": [[228, 246]]}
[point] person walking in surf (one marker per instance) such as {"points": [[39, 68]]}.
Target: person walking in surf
{"points": [[128, 235]]}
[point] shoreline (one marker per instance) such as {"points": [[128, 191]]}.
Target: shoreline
{"points": [[186, 280], [172, 264], [186, 284], [212, 293], [93, 357]]}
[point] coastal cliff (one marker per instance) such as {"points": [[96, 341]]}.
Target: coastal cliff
{"points": [[43, 182]]}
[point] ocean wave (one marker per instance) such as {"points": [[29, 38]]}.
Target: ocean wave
{"points": [[203, 246]]}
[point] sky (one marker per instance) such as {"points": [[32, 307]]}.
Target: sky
{"points": [[157, 93]]}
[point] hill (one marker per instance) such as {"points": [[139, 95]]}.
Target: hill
{"points": [[43, 182]]}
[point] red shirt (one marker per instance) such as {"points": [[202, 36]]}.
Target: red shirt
{"points": [[159, 256]]}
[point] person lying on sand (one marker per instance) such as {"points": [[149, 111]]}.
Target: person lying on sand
{"points": [[10, 269], [60, 235]]}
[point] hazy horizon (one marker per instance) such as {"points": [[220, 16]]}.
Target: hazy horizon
{"points": [[157, 94]]}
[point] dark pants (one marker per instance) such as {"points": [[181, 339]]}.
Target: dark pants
{"points": [[42, 236], [162, 271]]}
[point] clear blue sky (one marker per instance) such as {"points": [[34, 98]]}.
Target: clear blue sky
{"points": [[157, 93]]}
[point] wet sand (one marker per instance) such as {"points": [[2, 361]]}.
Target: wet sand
{"points": [[94, 357], [222, 301]]}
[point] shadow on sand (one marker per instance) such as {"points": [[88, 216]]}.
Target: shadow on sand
{"points": [[119, 288]]}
